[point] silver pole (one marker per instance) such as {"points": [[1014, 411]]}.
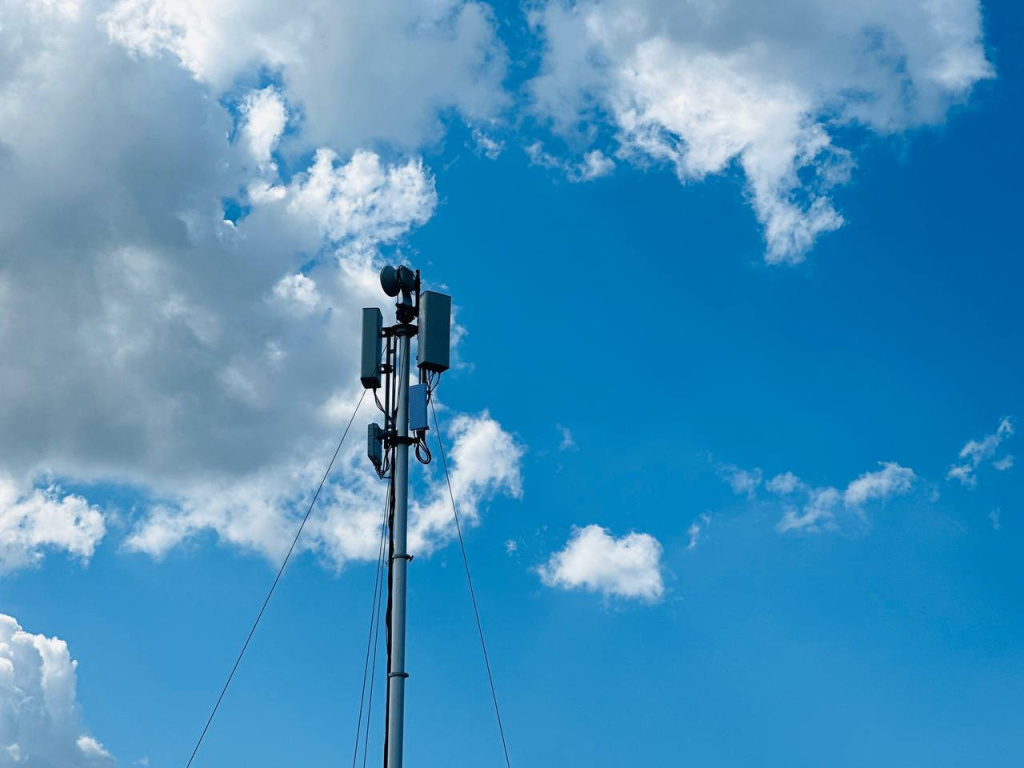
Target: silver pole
{"points": [[400, 564]]}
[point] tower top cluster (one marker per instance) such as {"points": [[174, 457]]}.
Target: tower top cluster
{"points": [[433, 311]]}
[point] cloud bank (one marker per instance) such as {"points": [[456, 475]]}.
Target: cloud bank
{"points": [[705, 86], [197, 196], [151, 338], [358, 72], [40, 721]]}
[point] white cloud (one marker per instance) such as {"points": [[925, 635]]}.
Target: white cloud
{"points": [[145, 342], [40, 722], [994, 516], [964, 473], [92, 749], [265, 117], [360, 72], [261, 512], [487, 145], [784, 484], [540, 156], [816, 514], [568, 443], [298, 291], [710, 85], [742, 481], [979, 450], [975, 452], [595, 561], [35, 520], [362, 200], [890, 480], [594, 166], [814, 509], [484, 460], [695, 529], [820, 505]]}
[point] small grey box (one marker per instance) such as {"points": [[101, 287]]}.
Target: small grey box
{"points": [[435, 331], [375, 444], [418, 407], [369, 369]]}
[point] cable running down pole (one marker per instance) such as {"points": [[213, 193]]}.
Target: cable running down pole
{"points": [[469, 581], [273, 586]]}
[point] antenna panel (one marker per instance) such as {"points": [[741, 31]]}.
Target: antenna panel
{"points": [[375, 444], [369, 369], [435, 331]]}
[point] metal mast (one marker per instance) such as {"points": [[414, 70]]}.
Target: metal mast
{"points": [[399, 566], [405, 412]]}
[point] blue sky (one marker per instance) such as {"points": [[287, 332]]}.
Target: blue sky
{"points": [[708, 461]]}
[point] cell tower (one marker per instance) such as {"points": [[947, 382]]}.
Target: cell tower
{"points": [[385, 365]]}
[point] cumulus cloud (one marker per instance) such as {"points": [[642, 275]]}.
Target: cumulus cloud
{"points": [[34, 520], [595, 561], [360, 72], [362, 200], [264, 119], [485, 460], [975, 452], [40, 721], [710, 85], [298, 291], [147, 341]]}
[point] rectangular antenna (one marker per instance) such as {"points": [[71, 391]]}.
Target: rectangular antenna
{"points": [[375, 444], [435, 331], [373, 323]]}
